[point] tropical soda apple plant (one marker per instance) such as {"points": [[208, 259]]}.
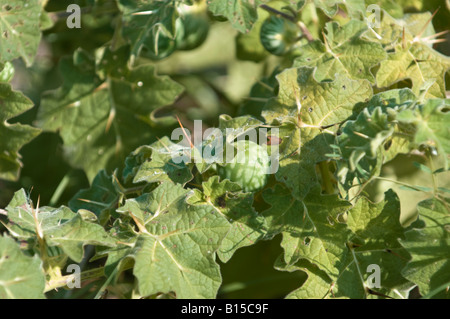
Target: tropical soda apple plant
{"points": [[320, 169]]}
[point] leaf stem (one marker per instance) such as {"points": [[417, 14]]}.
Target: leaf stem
{"points": [[60, 189], [326, 177], [355, 260], [293, 19], [63, 280], [278, 13], [400, 183], [433, 178]]}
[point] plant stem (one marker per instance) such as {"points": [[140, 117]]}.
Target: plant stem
{"points": [[355, 260], [85, 275], [326, 177], [433, 178], [60, 189], [279, 13], [286, 16], [106, 283], [116, 35], [305, 31], [400, 183]]}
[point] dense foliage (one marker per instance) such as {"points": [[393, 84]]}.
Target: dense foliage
{"points": [[349, 97]]}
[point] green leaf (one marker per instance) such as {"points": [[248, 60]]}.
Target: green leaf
{"points": [[330, 7], [354, 280], [6, 72], [390, 103], [139, 29], [390, 29], [430, 249], [418, 63], [175, 247], [241, 13], [57, 226], [260, 93], [163, 164], [377, 231], [373, 242], [150, 205], [310, 228], [307, 107], [248, 45], [423, 168], [21, 276], [431, 122], [100, 198], [375, 136], [377, 226], [226, 197], [360, 144], [20, 32], [237, 125], [344, 52], [134, 160], [411, 57], [101, 122], [319, 103], [317, 285], [13, 136]]}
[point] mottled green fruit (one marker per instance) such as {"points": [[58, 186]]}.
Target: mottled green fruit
{"points": [[192, 31], [277, 35], [249, 167]]}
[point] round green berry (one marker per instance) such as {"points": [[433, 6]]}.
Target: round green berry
{"points": [[277, 35], [249, 166]]}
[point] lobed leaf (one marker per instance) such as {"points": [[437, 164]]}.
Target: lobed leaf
{"points": [[13, 136], [20, 32], [57, 226], [306, 108], [344, 52], [429, 267], [175, 246], [226, 197], [242, 14], [102, 121], [21, 276]]}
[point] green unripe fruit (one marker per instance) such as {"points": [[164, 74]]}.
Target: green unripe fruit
{"points": [[249, 166], [277, 35], [192, 30]]}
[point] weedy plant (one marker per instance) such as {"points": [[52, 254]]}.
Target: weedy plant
{"points": [[347, 99]]}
